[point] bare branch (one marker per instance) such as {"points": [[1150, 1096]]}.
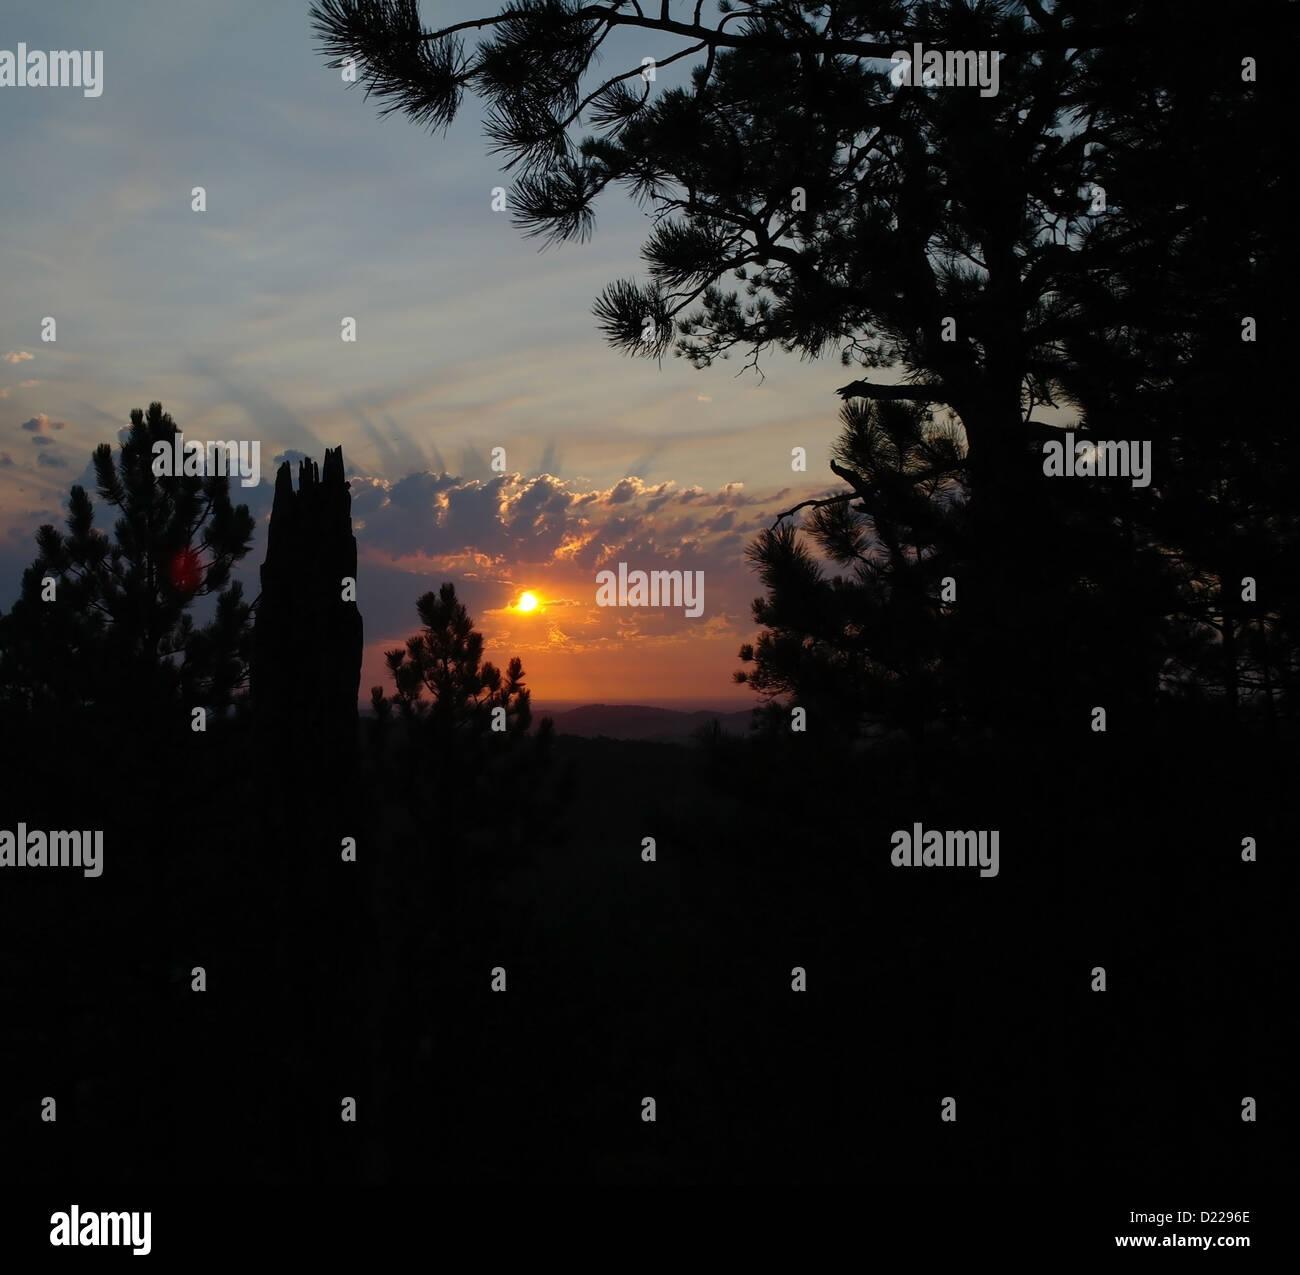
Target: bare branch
{"points": [[814, 504]]}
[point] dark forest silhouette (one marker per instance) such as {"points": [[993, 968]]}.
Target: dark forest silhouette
{"points": [[923, 212]]}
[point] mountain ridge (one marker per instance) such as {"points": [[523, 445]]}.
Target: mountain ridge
{"points": [[642, 721]]}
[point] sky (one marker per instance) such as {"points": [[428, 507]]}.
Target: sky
{"points": [[469, 338]]}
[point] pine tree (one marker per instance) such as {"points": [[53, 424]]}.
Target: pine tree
{"points": [[459, 751], [445, 660], [865, 644], [118, 639]]}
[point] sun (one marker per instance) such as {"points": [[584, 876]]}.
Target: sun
{"points": [[528, 602]]}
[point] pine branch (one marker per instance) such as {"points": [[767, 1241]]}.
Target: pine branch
{"points": [[889, 393]]}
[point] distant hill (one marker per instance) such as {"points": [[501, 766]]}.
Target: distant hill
{"points": [[635, 721]]}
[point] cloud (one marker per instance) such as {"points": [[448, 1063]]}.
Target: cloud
{"points": [[4, 393], [17, 356], [41, 441], [40, 424], [498, 536], [513, 520], [624, 490], [54, 462], [293, 456], [27, 385], [6, 461]]}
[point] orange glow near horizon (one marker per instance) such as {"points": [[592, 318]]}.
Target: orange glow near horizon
{"points": [[605, 674]]}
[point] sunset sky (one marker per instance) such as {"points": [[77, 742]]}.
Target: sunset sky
{"points": [[469, 338]]}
